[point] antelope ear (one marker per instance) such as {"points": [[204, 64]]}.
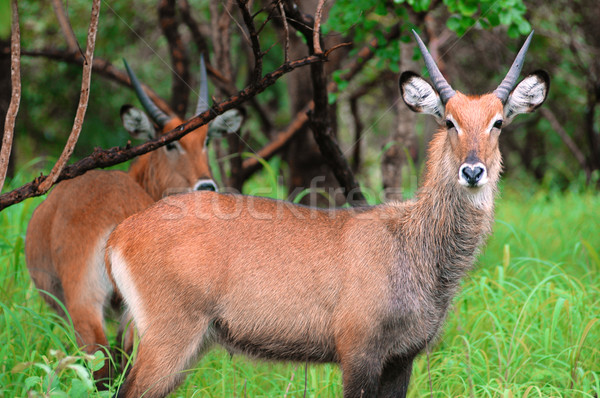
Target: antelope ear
{"points": [[420, 96], [137, 123], [226, 123], [527, 96]]}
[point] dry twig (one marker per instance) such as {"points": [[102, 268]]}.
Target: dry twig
{"points": [[83, 101], [556, 126], [257, 73], [65, 26], [286, 33], [317, 28], [15, 99], [180, 90], [101, 67]]}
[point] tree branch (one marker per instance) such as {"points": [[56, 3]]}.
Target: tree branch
{"points": [[319, 121], [190, 22], [180, 90], [65, 26], [358, 127], [317, 28], [257, 73], [286, 33], [110, 157], [250, 166], [566, 138], [83, 101], [100, 66], [15, 99]]}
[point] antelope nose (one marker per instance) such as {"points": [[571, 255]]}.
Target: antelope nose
{"points": [[205, 185], [472, 174]]}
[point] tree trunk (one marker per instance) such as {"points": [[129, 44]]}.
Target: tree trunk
{"points": [[308, 168], [403, 139], [5, 90]]}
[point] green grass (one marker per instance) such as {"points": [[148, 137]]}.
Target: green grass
{"points": [[525, 324]]}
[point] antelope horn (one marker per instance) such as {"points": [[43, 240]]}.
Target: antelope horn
{"points": [[510, 80], [156, 114], [439, 83], [203, 96]]}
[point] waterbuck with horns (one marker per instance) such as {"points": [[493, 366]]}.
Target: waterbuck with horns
{"points": [[367, 288], [67, 233]]}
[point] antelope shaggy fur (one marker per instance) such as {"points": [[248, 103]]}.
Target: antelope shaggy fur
{"points": [[67, 233], [367, 288]]}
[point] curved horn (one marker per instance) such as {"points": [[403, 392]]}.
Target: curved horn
{"points": [[439, 83], [203, 96], [510, 80], [157, 115]]}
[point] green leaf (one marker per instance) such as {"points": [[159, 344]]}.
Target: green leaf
{"points": [[468, 8], [505, 18], [32, 381], [83, 374], [98, 361], [381, 9], [524, 27], [453, 23], [78, 389], [5, 19], [493, 18], [513, 31]]}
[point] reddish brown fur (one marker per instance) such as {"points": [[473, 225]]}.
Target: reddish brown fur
{"points": [[155, 171], [366, 288], [73, 223]]}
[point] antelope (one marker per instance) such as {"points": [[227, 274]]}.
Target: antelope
{"points": [[67, 233], [366, 288]]}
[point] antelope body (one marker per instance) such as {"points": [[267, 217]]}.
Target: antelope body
{"points": [[367, 288], [67, 233]]}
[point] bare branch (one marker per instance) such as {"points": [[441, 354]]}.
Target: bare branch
{"points": [[249, 166], [83, 101], [100, 66], [303, 23], [358, 127], [65, 26], [15, 99], [286, 33], [317, 28], [257, 73], [180, 90], [319, 121], [557, 126], [368, 51], [110, 157], [188, 19]]}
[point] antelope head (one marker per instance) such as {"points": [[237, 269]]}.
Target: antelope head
{"points": [[182, 164], [472, 123]]}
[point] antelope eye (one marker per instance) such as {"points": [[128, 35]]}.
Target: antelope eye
{"points": [[170, 146], [449, 124], [498, 124]]}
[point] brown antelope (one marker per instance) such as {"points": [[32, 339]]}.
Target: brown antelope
{"points": [[367, 288], [67, 233]]}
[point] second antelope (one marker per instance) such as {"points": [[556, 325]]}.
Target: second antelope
{"points": [[365, 288], [67, 233]]}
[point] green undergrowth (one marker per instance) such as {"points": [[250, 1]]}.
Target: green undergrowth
{"points": [[525, 324]]}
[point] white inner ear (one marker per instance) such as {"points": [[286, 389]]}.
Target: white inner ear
{"points": [[227, 123], [138, 124], [421, 97], [528, 95]]}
